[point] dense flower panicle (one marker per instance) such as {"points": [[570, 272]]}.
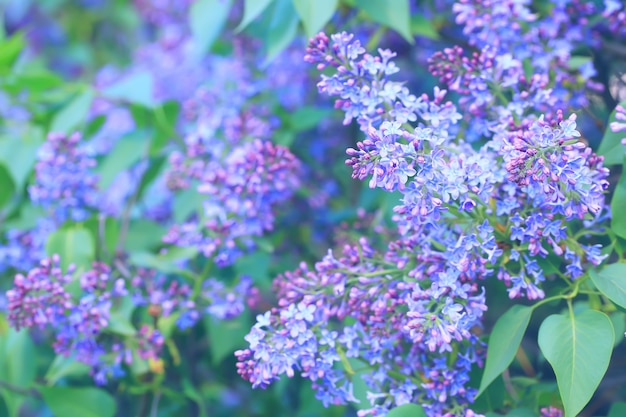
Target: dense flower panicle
{"points": [[243, 191], [483, 19], [64, 181], [39, 298], [364, 90], [42, 299], [557, 171], [526, 55], [528, 182], [390, 299]]}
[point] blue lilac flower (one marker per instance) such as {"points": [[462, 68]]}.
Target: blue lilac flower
{"points": [[64, 181], [78, 319], [224, 303], [548, 163], [243, 193], [24, 249]]}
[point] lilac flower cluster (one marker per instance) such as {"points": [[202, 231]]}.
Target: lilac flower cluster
{"points": [[522, 67], [225, 303], [42, 298], [64, 181], [243, 190], [365, 93], [25, 248], [615, 14], [557, 170], [392, 317], [467, 213], [163, 298]]}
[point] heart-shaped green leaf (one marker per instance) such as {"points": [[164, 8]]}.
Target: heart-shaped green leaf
{"points": [[579, 349]]}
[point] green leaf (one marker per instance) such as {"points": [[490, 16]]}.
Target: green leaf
{"points": [[78, 402], [193, 394], [618, 409], [37, 80], [521, 412], [7, 185], [256, 265], [359, 386], [280, 28], [167, 262], [503, 343], [618, 320], [206, 20], [63, 366], [422, 26], [187, 202], [611, 281], [315, 14], [407, 410], [20, 153], [577, 61], [17, 366], [618, 202], [10, 50], [167, 325], [392, 13], [107, 231], [226, 336], [251, 10], [128, 150], [579, 350], [74, 246], [120, 318], [144, 235], [611, 146], [136, 88], [73, 114], [307, 117]]}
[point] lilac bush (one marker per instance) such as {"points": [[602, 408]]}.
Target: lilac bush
{"points": [[463, 258]]}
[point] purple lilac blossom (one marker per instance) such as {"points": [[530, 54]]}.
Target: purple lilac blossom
{"points": [[432, 167], [426, 289], [305, 335], [64, 180], [243, 192], [25, 248], [79, 321]]}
